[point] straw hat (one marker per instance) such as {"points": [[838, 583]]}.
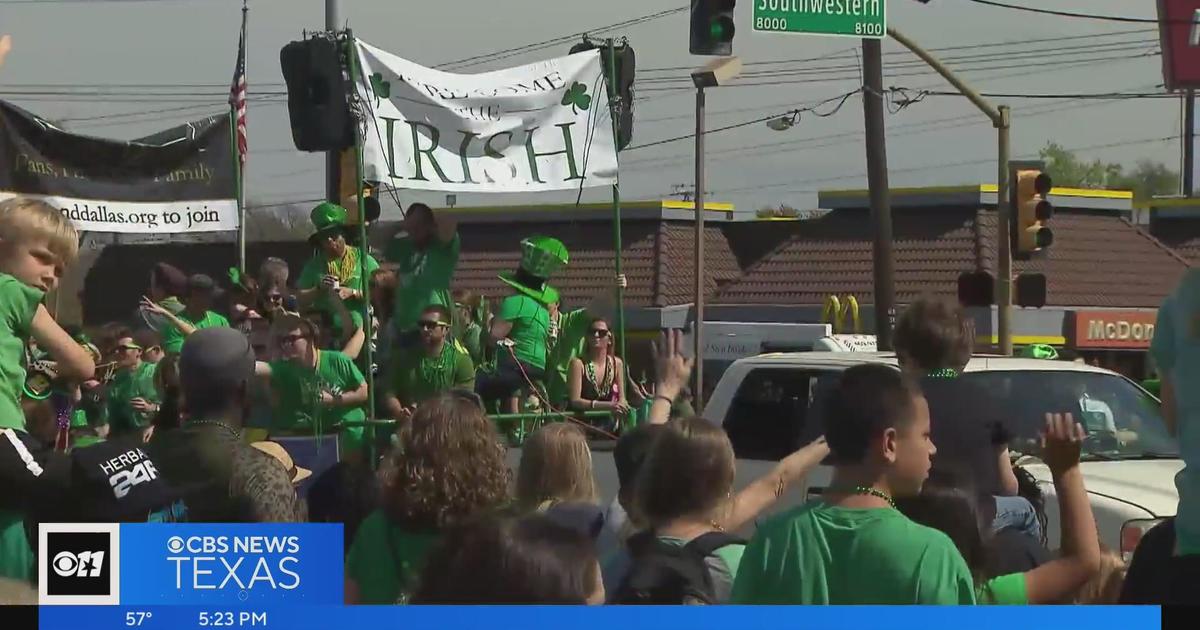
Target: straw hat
{"points": [[296, 473]]}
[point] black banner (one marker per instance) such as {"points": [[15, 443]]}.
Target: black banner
{"points": [[178, 180]]}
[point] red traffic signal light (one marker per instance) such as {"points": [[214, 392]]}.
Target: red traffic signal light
{"points": [[712, 27]]}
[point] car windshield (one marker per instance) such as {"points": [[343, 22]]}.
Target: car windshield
{"points": [[1122, 421]]}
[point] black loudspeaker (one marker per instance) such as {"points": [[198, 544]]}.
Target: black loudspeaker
{"points": [[316, 87]]}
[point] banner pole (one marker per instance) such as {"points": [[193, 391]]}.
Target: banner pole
{"points": [[616, 195], [364, 247], [237, 182]]}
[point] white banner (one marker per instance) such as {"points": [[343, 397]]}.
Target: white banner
{"points": [[139, 217], [542, 126]]}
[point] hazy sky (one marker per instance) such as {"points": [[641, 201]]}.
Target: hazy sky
{"points": [[180, 54]]}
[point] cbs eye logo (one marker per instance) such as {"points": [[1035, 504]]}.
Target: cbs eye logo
{"points": [[83, 564], [77, 563]]}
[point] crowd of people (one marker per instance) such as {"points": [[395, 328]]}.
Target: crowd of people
{"points": [[925, 505]]}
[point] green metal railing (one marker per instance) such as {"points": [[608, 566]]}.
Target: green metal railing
{"points": [[515, 426]]}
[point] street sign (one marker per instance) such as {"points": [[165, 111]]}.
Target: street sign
{"points": [[842, 18]]}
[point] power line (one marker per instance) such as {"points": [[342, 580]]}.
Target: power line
{"points": [[510, 52], [1098, 95], [1086, 16], [933, 166], [840, 100], [847, 53]]}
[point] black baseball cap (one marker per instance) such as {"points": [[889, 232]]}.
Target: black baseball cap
{"points": [[215, 362], [201, 282]]}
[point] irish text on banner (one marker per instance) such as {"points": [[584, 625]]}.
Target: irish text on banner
{"points": [[178, 180], [196, 564], [542, 126]]}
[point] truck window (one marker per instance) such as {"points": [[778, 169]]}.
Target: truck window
{"points": [[769, 416]]}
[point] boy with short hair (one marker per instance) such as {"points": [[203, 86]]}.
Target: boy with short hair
{"points": [[36, 245], [852, 546], [194, 316]]}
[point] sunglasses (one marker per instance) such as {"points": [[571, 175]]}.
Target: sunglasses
{"points": [[129, 348], [275, 297], [427, 324], [599, 334], [288, 340]]}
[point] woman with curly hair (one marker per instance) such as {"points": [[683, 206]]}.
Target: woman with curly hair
{"points": [[448, 468]]}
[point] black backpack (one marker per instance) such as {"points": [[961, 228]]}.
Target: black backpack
{"points": [[667, 574]]}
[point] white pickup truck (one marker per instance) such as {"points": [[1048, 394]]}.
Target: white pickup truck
{"points": [[1129, 463], [766, 405]]}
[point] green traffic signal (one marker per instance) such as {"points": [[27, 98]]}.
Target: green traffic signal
{"points": [[721, 29]]}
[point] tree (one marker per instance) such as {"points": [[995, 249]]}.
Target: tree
{"points": [[1147, 179]]}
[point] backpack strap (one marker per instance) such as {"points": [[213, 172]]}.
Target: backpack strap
{"points": [[707, 544]]}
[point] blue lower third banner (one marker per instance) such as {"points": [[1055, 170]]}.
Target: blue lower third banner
{"points": [[625, 617], [198, 564]]}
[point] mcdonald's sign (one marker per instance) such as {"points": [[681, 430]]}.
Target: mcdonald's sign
{"points": [[837, 311]]}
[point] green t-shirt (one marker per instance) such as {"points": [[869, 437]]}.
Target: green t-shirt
{"points": [[18, 304], [317, 268], [385, 560], [1005, 590], [296, 392], [530, 327], [823, 554], [16, 556], [416, 378], [172, 337], [572, 335], [423, 278], [124, 387]]}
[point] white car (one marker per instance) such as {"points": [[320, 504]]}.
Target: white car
{"points": [[1129, 460]]}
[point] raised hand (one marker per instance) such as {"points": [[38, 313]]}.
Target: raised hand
{"points": [[1062, 442], [671, 369]]}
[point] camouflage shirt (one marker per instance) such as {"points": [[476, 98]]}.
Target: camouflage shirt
{"points": [[221, 478]]}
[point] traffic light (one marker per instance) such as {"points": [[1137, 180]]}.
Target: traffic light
{"points": [[1030, 290], [976, 288], [1030, 211], [712, 27]]}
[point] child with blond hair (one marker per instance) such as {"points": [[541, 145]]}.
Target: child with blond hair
{"points": [[37, 243]]}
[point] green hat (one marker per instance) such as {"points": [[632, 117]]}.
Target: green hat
{"points": [[327, 218], [1039, 351], [541, 257]]}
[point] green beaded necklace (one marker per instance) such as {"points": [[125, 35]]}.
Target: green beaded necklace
{"points": [[879, 494], [433, 370]]}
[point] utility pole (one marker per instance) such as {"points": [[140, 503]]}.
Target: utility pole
{"points": [[1001, 121], [713, 74], [881, 204], [333, 175], [698, 199], [1189, 143]]}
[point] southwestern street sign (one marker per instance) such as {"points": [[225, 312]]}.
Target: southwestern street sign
{"points": [[842, 18]]}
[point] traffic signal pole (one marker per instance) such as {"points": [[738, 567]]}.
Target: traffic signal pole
{"points": [[881, 205], [1001, 121]]}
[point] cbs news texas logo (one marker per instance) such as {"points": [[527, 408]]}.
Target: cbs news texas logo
{"points": [[79, 563]]}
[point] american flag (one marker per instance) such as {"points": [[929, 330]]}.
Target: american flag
{"points": [[237, 94]]}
